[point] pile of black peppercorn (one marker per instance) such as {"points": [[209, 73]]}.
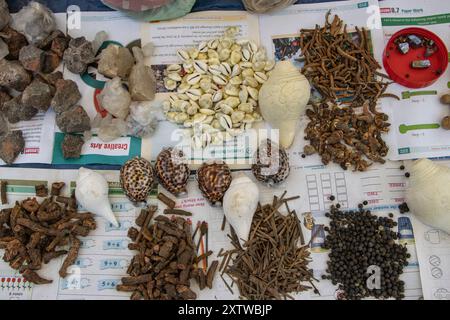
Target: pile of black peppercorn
{"points": [[357, 240]]}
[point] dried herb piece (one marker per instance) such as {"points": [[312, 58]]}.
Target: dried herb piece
{"points": [[272, 265], [3, 185], [31, 233], [41, 190], [164, 262], [56, 188], [166, 200], [178, 212]]}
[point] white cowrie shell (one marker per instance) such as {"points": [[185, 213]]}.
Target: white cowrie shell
{"points": [[232, 101], [166, 105], [171, 116], [193, 53], [234, 132], [252, 46], [212, 54], [245, 107], [246, 55], [226, 109], [205, 101], [243, 94], [270, 64], [215, 124], [224, 54], [245, 64], [236, 70], [253, 93], [231, 90], [235, 57], [220, 80], [187, 124], [247, 73], [208, 112], [205, 84], [213, 61], [183, 96], [236, 47], [194, 94], [174, 76], [217, 96], [180, 105], [173, 68], [225, 122], [183, 55], [259, 65], [215, 70], [257, 116], [212, 44], [193, 78], [237, 116], [170, 84], [252, 102], [225, 69], [246, 126], [260, 55], [236, 81], [242, 42], [203, 46], [192, 109], [181, 117], [251, 82], [248, 119], [183, 87], [199, 117], [200, 66], [173, 98], [226, 43], [260, 77], [208, 121]]}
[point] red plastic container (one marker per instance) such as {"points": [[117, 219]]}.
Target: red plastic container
{"points": [[398, 65]]}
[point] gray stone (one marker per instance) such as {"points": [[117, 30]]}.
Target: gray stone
{"points": [[4, 96], [38, 94], [142, 83], [16, 111], [51, 78], [115, 61], [71, 146], [11, 146], [32, 58], [5, 17], [4, 125], [79, 55], [74, 120], [13, 75], [66, 96]]}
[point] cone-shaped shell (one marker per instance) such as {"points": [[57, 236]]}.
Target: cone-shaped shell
{"points": [[213, 181], [283, 99], [270, 163], [136, 179], [92, 193], [239, 205], [428, 194], [172, 172]]}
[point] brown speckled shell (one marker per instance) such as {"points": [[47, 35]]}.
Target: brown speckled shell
{"points": [[172, 173], [271, 163], [136, 179], [214, 180]]}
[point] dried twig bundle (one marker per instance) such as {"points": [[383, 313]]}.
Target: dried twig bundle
{"points": [[275, 260]]}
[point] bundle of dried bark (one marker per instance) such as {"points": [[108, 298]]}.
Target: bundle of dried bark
{"points": [[33, 233], [164, 265]]}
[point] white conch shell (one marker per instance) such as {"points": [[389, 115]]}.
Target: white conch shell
{"points": [[283, 98], [239, 205], [92, 193], [428, 194]]}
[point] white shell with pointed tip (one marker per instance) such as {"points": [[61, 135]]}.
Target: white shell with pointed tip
{"points": [[239, 205], [92, 193]]}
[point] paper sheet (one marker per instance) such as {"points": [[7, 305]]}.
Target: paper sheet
{"points": [[418, 106]]}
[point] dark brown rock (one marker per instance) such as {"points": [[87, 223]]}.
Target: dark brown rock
{"points": [[16, 111], [51, 78], [71, 146], [47, 42], [73, 120], [66, 96], [15, 42], [51, 62], [79, 55], [5, 17], [32, 58], [38, 94], [4, 126], [11, 146], [13, 75], [59, 45]]}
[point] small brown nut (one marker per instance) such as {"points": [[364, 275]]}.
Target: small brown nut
{"points": [[445, 99], [446, 123]]}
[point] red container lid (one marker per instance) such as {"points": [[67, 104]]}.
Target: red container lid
{"points": [[398, 65]]}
